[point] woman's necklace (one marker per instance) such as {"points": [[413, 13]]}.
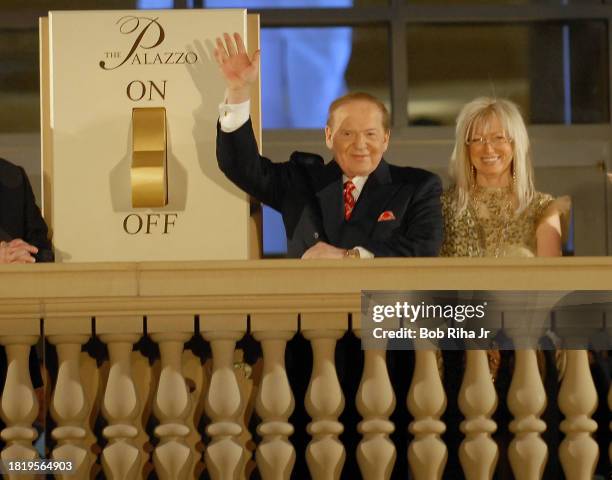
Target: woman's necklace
{"points": [[487, 203]]}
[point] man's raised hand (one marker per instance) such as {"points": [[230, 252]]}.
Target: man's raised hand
{"points": [[239, 71]]}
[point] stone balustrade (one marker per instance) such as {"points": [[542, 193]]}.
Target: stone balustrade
{"points": [[170, 390]]}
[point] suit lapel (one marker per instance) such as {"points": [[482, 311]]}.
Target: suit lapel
{"points": [[376, 193], [329, 195]]}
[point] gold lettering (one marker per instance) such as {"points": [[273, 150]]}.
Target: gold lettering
{"points": [[135, 223], [125, 224], [153, 86], [151, 223], [130, 93], [167, 221], [191, 56], [137, 90], [129, 24]]}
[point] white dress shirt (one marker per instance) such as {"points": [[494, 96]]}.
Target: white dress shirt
{"points": [[233, 116]]}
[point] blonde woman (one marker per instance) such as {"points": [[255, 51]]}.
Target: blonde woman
{"points": [[492, 209]]}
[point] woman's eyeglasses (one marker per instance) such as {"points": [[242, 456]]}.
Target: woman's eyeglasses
{"points": [[494, 140]]}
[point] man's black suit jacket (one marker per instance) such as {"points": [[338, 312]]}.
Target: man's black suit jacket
{"points": [[308, 193], [19, 215]]}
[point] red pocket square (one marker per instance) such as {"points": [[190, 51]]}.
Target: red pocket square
{"points": [[386, 216]]}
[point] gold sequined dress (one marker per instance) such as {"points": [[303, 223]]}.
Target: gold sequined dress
{"points": [[489, 225]]}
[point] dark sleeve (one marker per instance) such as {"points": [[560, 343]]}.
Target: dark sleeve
{"points": [[422, 229], [35, 228], [238, 158]]}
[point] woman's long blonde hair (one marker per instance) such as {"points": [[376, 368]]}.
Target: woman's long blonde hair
{"points": [[478, 112]]}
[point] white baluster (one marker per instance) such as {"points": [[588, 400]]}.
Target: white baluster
{"points": [[478, 452], [324, 400], [527, 400], [173, 457], [375, 401], [275, 403], [578, 400], [225, 456], [122, 458], [193, 371], [70, 405], [19, 403], [427, 453]]}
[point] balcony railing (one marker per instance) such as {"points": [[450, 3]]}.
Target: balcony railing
{"points": [[123, 413]]}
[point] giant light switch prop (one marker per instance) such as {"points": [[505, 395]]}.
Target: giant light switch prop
{"points": [[129, 111]]}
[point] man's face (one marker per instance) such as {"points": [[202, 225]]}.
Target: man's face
{"points": [[357, 137]]}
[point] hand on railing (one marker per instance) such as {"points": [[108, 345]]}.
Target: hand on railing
{"points": [[17, 251]]}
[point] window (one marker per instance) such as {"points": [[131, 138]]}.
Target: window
{"points": [[556, 72]]}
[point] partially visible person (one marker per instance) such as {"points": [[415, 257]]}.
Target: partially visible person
{"points": [[23, 232], [23, 239], [492, 208]]}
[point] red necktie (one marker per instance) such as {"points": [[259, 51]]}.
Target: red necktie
{"points": [[349, 200]]}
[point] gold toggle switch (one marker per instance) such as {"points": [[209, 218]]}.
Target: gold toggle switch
{"points": [[148, 173]]}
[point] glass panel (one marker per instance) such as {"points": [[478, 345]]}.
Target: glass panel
{"points": [[274, 236], [154, 4], [19, 92], [35, 5], [556, 72], [369, 69], [305, 69], [19, 101], [515, 2], [287, 3]]}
